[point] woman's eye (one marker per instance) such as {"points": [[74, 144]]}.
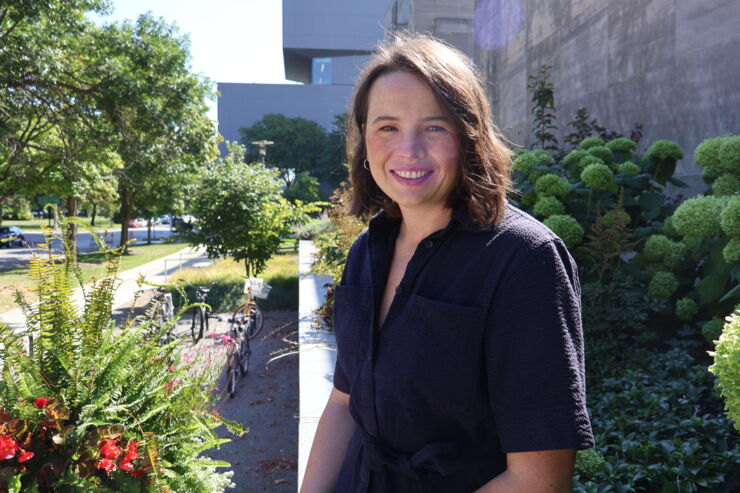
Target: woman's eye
{"points": [[387, 128], [436, 128]]}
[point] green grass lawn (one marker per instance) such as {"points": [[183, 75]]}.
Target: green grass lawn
{"points": [[92, 265], [101, 223]]}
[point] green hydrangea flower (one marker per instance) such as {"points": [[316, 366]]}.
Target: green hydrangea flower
{"points": [[712, 329], [656, 247], [731, 251], [597, 176], [729, 220], [536, 174], [588, 463], [698, 216], [611, 216], [663, 285], [548, 206], [551, 185], [571, 160], [602, 152], [686, 308], [726, 184], [629, 168], [583, 163], [674, 255], [544, 157], [729, 154], [621, 144], [663, 150], [668, 227], [711, 173], [525, 162], [590, 142], [706, 154], [566, 227], [518, 151], [727, 365]]}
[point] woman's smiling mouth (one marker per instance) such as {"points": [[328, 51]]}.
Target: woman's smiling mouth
{"points": [[411, 176]]}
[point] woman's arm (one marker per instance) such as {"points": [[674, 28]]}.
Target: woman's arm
{"points": [[549, 471], [333, 434]]}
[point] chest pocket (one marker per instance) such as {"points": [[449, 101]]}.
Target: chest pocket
{"points": [[352, 325], [447, 342]]}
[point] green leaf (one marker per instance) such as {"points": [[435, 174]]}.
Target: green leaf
{"points": [[650, 200], [730, 294], [711, 288]]}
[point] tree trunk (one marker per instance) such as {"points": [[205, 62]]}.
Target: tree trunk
{"points": [[149, 231], [94, 212], [2, 199], [72, 231], [125, 216]]}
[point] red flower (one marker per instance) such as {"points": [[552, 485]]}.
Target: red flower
{"points": [[125, 465], [25, 455], [107, 465], [8, 447], [41, 402], [138, 473], [110, 450], [132, 447], [4, 416]]}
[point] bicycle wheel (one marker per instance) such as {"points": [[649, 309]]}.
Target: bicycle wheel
{"points": [[245, 353], [257, 322], [232, 375], [199, 323]]}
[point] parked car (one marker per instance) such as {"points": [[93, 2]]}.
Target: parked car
{"points": [[164, 219], [182, 224], [10, 235]]}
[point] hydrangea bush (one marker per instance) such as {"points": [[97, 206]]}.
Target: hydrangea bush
{"points": [[727, 366]]}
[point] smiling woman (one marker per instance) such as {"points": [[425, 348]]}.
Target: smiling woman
{"points": [[458, 325]]}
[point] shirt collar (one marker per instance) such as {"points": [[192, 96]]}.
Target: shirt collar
{"points": [[382, 221]]}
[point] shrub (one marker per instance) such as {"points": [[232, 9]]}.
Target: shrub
{"points": [[598, 177], [659, 427], [663, 285], [727, 366], [731, 251], [729, 153], [543, 157], [590, 142], [588, 463], [712, 330], [551, 185], [313, 228], [698, 216], [686, 308], [730, 218], [566, 227], [628, 168], [656, 247], [707, 153], [548, 206], [524, 162], [711, 173], [584, 162], [572, 159], [621, 144], [726, 184], [662, 150]]}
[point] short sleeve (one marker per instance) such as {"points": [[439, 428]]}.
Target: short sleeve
{"points": [[340, 379], [534, 354]]}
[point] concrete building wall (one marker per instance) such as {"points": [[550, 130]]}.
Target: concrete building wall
{"points": [[450, 20], [241, 105], [672, 65]]}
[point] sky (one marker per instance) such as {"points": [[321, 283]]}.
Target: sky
{"points": [[230, 40]]}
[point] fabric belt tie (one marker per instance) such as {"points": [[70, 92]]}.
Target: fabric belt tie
{"points": [[443, 458]]}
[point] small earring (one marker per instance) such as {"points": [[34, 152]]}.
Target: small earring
{"points": [[366, 165]]}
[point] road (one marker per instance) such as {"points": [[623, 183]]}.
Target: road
{"points": [[17, 257]]}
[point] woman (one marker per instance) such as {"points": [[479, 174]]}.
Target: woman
{"points": [[460, 352]]}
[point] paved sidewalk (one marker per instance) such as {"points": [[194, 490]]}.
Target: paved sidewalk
{"points": [[317, 355], [157, 271]]}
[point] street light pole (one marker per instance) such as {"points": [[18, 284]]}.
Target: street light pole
{"points": [[263, 147]]}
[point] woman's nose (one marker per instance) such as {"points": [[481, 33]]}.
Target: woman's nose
{"points": [[411, 146]]}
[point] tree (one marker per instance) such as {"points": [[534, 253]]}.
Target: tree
{"points": [[299, 144], [333, 170], [241, 212], [305, 188]]}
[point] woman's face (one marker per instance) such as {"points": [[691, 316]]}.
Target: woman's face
{"points": [[412, 145]]}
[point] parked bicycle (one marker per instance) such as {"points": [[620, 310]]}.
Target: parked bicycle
{"points": [[253, 288], [246, 323], [201, 313], [162, 312]]}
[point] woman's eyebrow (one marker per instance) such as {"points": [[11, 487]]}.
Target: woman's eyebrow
{"points": [[382, 118]]}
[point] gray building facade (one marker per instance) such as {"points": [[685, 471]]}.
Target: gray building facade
{"points": [[325, 45], [672, 65]]}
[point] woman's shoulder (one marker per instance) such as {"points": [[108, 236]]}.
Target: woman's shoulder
{"points": [[521, 231]]}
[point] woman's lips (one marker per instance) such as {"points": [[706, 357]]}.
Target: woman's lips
{"points": [[411, 176]]}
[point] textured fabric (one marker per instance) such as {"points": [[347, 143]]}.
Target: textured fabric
{"points": [[480, 354]]}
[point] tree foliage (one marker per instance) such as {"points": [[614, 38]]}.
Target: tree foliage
{"points": [[241, 211]]}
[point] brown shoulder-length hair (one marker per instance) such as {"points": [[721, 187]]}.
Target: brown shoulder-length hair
{"points": [[485, 160]]}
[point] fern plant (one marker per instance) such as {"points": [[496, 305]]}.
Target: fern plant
{"points": [[88, 406]]}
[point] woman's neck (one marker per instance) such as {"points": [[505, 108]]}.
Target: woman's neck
{"points": [[417, 225]]}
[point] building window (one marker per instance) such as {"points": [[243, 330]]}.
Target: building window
{"points": [[321, 71]]}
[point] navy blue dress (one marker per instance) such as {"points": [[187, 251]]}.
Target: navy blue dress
{"points": [[480, 354]]}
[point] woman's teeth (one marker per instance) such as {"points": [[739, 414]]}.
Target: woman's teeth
{"points": [[410, 175]]}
